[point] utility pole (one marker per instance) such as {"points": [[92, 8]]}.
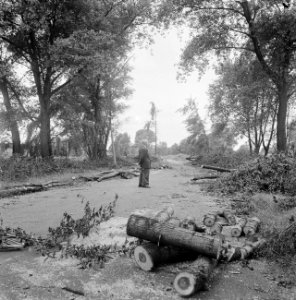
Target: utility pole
{"points": [[112, 141]]}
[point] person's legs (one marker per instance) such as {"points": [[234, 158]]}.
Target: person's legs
{"points": [[146, 178], [141, 180]]}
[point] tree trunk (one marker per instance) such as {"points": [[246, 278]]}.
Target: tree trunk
{"points": [[281, 118], [168, 234], [13, 126], [45, 136], [148, 256]]}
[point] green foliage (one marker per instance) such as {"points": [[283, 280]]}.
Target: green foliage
{"points": [[231, 160], [194, 124], [271, 174], [58, 41], [144, 136], [58, 238], [229, 28], [244, 97], [21, 169], [82, 226], [122, 144]]}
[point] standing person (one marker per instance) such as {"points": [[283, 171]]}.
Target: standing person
{"points": [[145, 164]]}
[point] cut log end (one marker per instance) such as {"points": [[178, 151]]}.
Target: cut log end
{"points": [[209, 220], [184, 284], [236, 231], [143, 258]]}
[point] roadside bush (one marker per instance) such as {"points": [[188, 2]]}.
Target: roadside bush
{"points": [[22, 168], [230, 161], [275, 174]]}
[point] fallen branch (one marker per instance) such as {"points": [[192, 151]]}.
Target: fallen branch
{"points": [[18, 190], [217, 168], [205, 177], [73, 291]]}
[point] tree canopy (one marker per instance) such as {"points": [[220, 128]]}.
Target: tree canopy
{"points": [[58, 40], [229, 28]]}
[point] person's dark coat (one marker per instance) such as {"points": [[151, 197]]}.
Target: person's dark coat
{"points": [[144, 159]]}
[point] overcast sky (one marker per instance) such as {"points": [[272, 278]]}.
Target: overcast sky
{"points": [[155, 79]]}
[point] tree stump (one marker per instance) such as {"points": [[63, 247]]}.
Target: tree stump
{"points": [[251, 226], [195, 279], [168, 234], [237, 229], [149, 255]]}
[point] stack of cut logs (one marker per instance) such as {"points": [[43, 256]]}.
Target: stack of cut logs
{"points": [[167, 239], [9, 241]]}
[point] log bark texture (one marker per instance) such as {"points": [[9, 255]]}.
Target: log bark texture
{"points": [[195, 278], [148, 256], [168, 234], [164, 215], [230, 217], [216, 229]]}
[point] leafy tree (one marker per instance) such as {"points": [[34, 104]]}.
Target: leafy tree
{"points": [[144, 136], [265, 28], [163, 148], [88, 106], [221, 140], [58, 39], [10, 114], [13, 93], [244, 97], [122, 144], [194, 124], [32, 29], [174, 149]]}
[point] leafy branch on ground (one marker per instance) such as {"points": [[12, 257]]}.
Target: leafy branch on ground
{"points": [[273, 174], [58, 239]]}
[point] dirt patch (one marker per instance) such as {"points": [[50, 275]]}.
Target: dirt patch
{"points": [[24, 275]]}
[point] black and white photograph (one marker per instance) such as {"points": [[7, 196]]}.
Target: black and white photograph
{"points": [[147, 149]]}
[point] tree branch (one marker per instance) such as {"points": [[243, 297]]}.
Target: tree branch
{"points": [[233, 47], [219, 8], [17, 97]]}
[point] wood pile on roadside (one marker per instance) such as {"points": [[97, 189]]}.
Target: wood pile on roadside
{"points": [[10, 241], [222, 236]]}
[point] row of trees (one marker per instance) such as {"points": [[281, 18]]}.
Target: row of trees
{"points": [[255, 43], [73, 58], [64, 67]]}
